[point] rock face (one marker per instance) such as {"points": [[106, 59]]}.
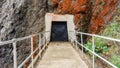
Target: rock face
{"points": [[103, 12], [19, 18], [81, 9], [90, 15]]}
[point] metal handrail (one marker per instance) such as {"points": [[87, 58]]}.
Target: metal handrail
{"points": [[20, 39], [93, 46], [14, 41], [108, 38]]}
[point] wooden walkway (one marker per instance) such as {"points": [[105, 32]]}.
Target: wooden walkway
{"points": [[61, 55]]}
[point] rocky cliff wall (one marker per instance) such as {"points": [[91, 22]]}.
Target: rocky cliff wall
{"points": [[19, 18], [89, 15], [81, 9], [103, 12]]}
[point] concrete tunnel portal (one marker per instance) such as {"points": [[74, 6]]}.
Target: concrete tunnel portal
{"points": [[58, 27]]}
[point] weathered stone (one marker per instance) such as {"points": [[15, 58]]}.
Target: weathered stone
{"points": [[19, 18]]}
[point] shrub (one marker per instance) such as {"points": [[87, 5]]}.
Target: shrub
{"points": [[100, 46]]}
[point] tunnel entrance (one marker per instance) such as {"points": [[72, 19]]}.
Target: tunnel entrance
{"points": [[58, 27], [59, 31]]}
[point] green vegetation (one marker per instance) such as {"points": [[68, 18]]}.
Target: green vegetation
{"points": [[100, 46], [115, 59], [113, 30], [109, 49]]}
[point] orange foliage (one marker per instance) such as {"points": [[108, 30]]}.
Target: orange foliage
{"points": [[80, 6], [105, 11], [73, 7], [77, 7], [98, 2], [99, 16], [65, 6], [77, 18], [81, 2], [55, 2]]}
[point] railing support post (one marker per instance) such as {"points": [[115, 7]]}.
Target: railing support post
{"points": [[76, 46], [82, 43], [93, 48], [14, 53], [39, 39], [45, 41], [39, 45], [74, 39], [32, 51]]}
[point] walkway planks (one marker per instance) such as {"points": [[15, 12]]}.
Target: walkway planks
{"points": [[61, 55]]}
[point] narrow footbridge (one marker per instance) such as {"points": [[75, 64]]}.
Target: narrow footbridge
{"points": [[57, 54], [61, 55]]}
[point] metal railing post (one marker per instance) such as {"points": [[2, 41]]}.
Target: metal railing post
{"points": [[93, 48], [82, 43], [45, 41], [76, 46], [14, 53], [32, 51], [39, 44], [39, 39], [74, 43]]}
